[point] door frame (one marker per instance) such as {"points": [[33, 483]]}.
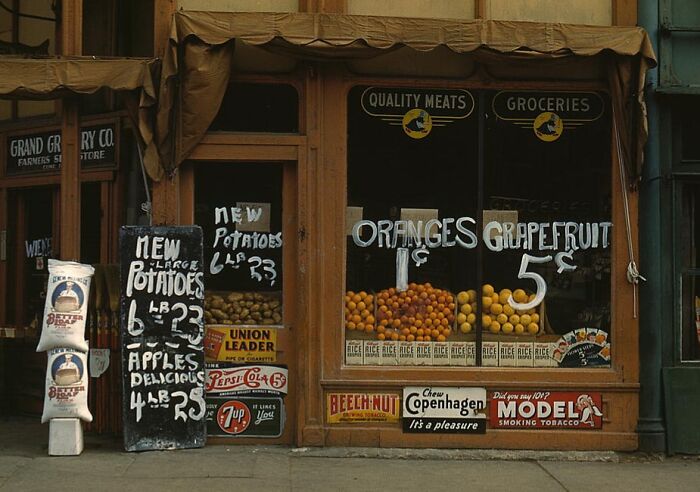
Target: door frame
{"points": [[289, 151]]}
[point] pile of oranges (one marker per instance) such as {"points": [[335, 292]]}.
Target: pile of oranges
{"points": [[497, 314], [422, 313], [359, 311]]}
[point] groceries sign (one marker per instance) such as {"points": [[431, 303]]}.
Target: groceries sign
{"points": [[548, 114], [545, 410], [42, 151]]}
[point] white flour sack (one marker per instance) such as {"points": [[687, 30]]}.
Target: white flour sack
{"points": [[65, 310], [66, 386]]}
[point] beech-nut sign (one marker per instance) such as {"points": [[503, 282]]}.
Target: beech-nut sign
{"points": [[417, 110], [548, 114]]}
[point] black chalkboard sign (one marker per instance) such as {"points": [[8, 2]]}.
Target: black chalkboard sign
{"points": [[162, 331]]}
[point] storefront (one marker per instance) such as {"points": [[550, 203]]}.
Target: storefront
{"points": [[416, 215], [44, 214]]}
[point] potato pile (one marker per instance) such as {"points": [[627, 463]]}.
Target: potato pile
{"points": [[422, 313], [242, 308], [497, 316]]}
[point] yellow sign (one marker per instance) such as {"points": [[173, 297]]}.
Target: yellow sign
{"points": [[548, 126], [240, 344], [342, 408], [417, 123]]}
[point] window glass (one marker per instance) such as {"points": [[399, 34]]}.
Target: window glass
{"points": [[239, 207], [250, 107], [689, 242], [547, 216], [450, 263]]}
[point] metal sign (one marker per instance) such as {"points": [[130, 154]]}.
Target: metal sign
{"points": [[444, 410], [342, 408], [545, 410]]}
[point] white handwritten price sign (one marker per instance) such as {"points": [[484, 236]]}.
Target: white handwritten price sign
{"points": [[162, 333]]}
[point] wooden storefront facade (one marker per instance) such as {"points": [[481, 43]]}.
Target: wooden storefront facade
{"points": [[310, 161]]}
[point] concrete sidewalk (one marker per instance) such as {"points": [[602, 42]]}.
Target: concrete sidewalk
{"points": [[24, 466]]}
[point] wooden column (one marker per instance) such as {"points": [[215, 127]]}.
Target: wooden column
{"points": [[71, 44], [165, 194]]}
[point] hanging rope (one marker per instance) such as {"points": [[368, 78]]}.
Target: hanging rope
{"points": [[633, 275]]}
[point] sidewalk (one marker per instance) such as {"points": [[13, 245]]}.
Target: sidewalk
{"points": [[24, 466]]}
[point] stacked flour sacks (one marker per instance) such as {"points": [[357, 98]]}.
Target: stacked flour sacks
{"points": [[63, 337]]}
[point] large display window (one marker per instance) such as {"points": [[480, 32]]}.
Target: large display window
{"points": [[478, 228]]}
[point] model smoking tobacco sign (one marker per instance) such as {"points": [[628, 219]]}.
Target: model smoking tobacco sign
{"points": [[417, 110], [545, 410], [162, 332], [548, 114]]}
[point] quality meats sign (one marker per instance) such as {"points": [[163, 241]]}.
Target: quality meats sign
{"points": [[545, 410], [345, 408], [444, 410], [245, 417], [225, 379]]}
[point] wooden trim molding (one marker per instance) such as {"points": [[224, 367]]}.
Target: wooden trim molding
{"points": [[624, 12]]}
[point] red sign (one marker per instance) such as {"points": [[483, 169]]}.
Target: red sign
{"points": [[233, 417], [223, 379], [545, 410]]}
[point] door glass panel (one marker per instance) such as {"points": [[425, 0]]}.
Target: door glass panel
{"points": [[37, 249], [688, 237], [240, 210]]}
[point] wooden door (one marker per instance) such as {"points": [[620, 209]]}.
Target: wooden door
{"points": [[247, 210]]}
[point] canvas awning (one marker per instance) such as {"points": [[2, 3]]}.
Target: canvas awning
{"points": [[198, 61], [53, 77]]}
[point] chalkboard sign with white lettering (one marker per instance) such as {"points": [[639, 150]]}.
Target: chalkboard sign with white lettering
{"points": [[162, 332]]}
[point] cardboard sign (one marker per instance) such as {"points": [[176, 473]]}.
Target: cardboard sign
{"points": [[444, 410], [223, 379], [585, 347], [344, 408], [545, 410], [162, 330], [244, 344], [245, 417]]}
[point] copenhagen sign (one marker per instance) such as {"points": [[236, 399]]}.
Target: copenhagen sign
{"points": [[42, 151], [444, 410]]}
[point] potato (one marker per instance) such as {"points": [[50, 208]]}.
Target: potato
{"points": [[267, 321], [218, 314], [244, 313], [255, 307], [248, 296], [267, 314], [234, 296], [256, 316]]}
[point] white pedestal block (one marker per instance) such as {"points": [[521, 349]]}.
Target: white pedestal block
{"points": [[65, 437]]}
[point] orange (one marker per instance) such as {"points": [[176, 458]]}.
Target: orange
{"points": [[350, 325], [441, 338], [356, 298], [361, 306], [351, 305], [487, 290], [360, 326], [380, 336], [495, 327]]}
